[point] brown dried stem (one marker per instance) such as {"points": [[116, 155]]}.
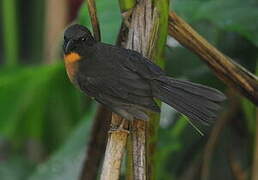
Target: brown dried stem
{"points": [[94, 19], [117, 139], [114, 151], [96, 145], [147, 35], [231, 73], [237, 170], [139, 150]]}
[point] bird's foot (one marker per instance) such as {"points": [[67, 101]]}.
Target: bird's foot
{"points": [[127, 17], [120, 128]]}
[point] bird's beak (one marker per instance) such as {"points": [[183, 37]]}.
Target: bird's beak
{"points": [[68, 47]]}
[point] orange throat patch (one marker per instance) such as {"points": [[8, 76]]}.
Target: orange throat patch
{"points": [[72, 57], [71, 65]]}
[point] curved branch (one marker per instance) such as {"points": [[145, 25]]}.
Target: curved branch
{"points": [[231, 73]]}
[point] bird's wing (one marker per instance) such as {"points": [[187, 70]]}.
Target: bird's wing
{"points": [[141, 65], [126, 87]]}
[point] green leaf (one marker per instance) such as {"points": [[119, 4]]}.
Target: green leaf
{"points": [[232, 15], [35, 98], [66, 163], [170, 143]]}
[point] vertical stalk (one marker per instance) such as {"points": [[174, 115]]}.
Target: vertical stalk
{"points": [[147, 35], [94, 19], [255, 158], [129, 159], [255, 155], [117, 139], [114, 151], [100, 127], [139, 150], [10, 31], [96, 145], [54, 25]]}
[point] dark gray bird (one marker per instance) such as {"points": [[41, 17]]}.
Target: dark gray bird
{"points": [[127, 83]]}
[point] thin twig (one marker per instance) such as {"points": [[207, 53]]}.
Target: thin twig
{"points": [[237, 170], [215, 134], [231, 73], [191, 171], [96, 146], [94, 19]]}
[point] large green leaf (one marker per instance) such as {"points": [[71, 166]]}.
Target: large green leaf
{"points": [[232, 15], [36, 98], [66, 163]]}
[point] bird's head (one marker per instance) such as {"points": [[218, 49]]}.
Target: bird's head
{"points": [[77, 40]]}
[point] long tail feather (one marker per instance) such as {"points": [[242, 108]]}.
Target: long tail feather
{"points": [[196, 101]]}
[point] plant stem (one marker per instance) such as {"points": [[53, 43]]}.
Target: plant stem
{"points": [[255, 158], [98, 139], [147, 35], [10, 32], [96, 145], [53, 26], [114, 151], [94, 19], [215, 134], [255, 155], [231, 73], [126, 5], [129, 159]]}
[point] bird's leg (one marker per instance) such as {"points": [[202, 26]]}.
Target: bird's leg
{"points": [[120, 128], [127, 17]]}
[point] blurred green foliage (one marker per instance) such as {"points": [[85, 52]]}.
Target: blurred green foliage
{"points": [[109, 18], [233, 15], [10, 29], [39, 108]]}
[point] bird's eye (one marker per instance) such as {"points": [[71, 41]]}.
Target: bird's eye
{"points": [[83, 39]]}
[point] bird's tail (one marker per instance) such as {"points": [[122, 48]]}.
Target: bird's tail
{"points": [[196, 101]]}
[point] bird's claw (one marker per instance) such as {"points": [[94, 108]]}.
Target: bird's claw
{"points": [[120, 128], [127, 17]]}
